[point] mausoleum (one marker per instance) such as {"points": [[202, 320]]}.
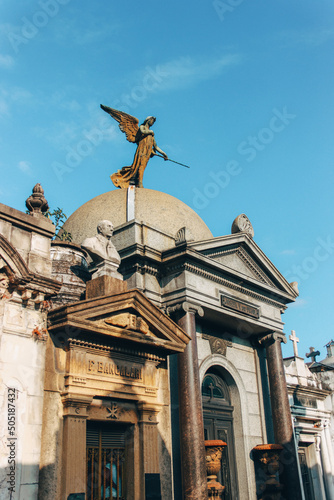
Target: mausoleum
{"points": [[133, 368]]}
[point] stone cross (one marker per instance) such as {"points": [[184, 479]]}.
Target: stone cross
{"points": [[211, 387], [312, 354], [294, 340]]}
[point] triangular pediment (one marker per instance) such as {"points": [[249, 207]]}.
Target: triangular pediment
{"points": [[127, 317], [240, 254]]}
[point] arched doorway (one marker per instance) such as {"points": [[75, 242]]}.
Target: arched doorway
{"points": [[218, 424]]}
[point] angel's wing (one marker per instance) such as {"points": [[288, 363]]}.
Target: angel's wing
{"points": [[127, 123]]}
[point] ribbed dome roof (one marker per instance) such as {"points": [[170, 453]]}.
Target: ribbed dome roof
{"points": [[158, 210]]}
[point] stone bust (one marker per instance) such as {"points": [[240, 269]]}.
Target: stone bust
{"points": [[99, 247]]}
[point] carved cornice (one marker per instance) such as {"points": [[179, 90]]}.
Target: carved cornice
{"points": [[140, 268], [314, 392], [228, 251], [95, 348], [223, 281], [89, 320]]}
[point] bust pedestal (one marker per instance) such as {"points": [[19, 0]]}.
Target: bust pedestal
{"points": [[105, 267], [105, 285]]}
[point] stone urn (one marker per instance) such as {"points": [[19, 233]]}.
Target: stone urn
{"points": [[213, 456], [267, 464]]}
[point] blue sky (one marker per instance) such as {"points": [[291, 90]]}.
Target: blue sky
{"points": [[242, 91]]}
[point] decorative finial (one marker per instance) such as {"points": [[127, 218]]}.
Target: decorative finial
{"points": [[36, 203], [242, 225], [294, 340], [312, 354]]}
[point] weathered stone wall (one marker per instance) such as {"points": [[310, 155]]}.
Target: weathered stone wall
{"points": [[25, 268]]}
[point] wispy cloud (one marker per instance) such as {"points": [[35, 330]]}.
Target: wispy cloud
{"points": [[288, 251], [188, 71], [306, 38], [4, 108], [60, 99], [176, 74], [25, 167], [68, 30], [6, 61], [8, 96], [59, 133], [298, 304], [86, 122]]}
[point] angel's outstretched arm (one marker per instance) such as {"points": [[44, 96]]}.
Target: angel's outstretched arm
{"points": [[156, 149]]}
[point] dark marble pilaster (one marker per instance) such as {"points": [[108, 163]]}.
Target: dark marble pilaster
{"points": [[194, 479], [74, 443], [281, 415]]}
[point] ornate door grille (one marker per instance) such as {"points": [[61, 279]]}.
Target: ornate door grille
{"points": [[105, 462]]}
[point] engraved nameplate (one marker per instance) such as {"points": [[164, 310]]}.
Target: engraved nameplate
{"points": [[241, 307], [110, 368]]}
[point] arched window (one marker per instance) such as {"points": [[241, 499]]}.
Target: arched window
{"points": [[214, 388]]}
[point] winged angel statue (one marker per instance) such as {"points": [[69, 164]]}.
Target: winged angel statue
{"points": [[146, 147]]}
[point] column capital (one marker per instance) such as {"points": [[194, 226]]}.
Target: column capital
{"points": [[272, 337], [186, 307], [149, 412], [75, 405]]}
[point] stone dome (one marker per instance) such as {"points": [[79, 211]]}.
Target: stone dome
{"points": [[156, 209]]}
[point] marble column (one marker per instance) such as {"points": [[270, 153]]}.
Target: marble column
{"points": [[281, 416], [194, 478]]}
